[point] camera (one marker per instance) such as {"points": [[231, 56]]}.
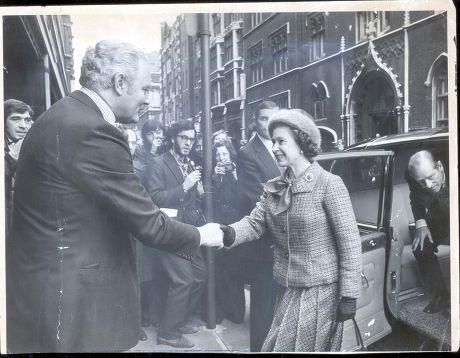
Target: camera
{"points": [[228, 167]]}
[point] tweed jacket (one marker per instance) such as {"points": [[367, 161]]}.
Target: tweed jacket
{"points": [[317, 240]]}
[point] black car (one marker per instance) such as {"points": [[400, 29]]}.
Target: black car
{"points": [[392, 291]]}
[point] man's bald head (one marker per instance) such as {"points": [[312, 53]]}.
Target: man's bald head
{"points": [[426, 171]]}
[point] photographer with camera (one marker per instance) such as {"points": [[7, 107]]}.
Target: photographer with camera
{"points": [[230, 301]]}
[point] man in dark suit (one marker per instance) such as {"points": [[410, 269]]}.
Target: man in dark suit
{"points": [[173, 182], [256, 165], [71, 277], [18, 120], [429, 198]]}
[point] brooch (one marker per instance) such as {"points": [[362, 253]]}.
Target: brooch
{"points": [[309, 177]]}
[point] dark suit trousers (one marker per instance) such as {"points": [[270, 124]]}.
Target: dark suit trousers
{"points": [[185, 284], [262, 303], [429, 266]]}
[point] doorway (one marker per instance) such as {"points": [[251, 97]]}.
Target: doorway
{"points": [[373, 108]]}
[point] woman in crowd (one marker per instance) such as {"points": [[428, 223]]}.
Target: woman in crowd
{"points": [[153, 133], [230, 300], [317, 249]]}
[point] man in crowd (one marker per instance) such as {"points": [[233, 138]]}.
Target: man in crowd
{"points": [[429, 199], [18, 120], [256, 165], [71, 278], [173, 182]]}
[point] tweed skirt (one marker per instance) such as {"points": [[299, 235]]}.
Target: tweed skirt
{"points": [[305, 320]]}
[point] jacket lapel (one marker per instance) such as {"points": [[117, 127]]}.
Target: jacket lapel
{"points": [[173, 167], [265, 158]]}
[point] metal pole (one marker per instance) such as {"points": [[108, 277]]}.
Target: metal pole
{"points": [[204, 34], [243, 105]]}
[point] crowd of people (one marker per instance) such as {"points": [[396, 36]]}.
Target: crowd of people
{"points": [[86, 190]]}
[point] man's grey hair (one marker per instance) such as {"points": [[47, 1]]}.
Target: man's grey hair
{"points": [[105, 60], [416, 159]]}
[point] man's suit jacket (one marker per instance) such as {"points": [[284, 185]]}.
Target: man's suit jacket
{"points": [[255, 165], [163, 180], [434, 209], [71, 277]]}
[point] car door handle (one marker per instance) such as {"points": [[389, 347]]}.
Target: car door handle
{"points": [[364, 280]]}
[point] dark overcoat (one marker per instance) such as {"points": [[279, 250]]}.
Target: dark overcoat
{"points": [[255, 166], [71, 277]]}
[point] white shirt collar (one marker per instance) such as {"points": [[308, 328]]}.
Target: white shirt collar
{"points": [[267, 143], [105, 109]]}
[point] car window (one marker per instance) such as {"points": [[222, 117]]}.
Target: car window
{"points": [[363, 178]]}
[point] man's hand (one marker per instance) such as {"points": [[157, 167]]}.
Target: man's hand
{"points": [[191, 179], [211, 235], [421, 234]]}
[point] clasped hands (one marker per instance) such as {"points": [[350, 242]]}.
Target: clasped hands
{"points": [[216, 235]]}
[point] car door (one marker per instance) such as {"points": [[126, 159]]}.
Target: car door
{"points": [[367, 175]]}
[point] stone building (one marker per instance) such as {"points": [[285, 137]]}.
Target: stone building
{"points": [[177, 81], [359, 74], [153, 109], [37, 59], [181, 72]]}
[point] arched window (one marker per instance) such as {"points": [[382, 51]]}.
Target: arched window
{"points": [[319, 95], [437, 79]]}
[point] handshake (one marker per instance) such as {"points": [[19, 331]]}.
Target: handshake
{"points": [[216, 235]]}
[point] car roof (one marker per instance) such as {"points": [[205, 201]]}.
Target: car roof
{"points": [[395, 139]]}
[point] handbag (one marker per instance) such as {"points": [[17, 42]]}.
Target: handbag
{"points": [[359, 337]]}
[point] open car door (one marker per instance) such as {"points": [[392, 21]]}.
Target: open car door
{"points": [[367, 175]]}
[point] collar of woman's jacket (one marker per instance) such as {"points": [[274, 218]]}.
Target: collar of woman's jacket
{"points": [[285, 185]]}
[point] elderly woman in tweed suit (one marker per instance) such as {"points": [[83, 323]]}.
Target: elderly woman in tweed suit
{"points": [[317, 248]]}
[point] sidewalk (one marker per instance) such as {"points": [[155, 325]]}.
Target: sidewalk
{"points": [[226, 337]]}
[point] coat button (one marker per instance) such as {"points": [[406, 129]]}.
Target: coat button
{"points": [[286, 255], [283, 229]]}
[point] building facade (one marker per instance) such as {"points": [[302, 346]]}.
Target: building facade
{"points": [[153, 109], [359, 74], [177, 81], [181, 72], [38, 59]]}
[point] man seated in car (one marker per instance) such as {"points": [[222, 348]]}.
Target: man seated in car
{"points": [[429, 197]]}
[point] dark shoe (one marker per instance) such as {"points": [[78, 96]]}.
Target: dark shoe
{"points": [[187, 329], [180, 342], [436, 305], [145, 322], [143, 336]]}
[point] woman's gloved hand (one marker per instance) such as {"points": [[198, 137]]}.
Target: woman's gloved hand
{"points": [[346, 309], [229, 235]]}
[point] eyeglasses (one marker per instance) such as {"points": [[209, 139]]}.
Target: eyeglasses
{"points": [[184, 138]]}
